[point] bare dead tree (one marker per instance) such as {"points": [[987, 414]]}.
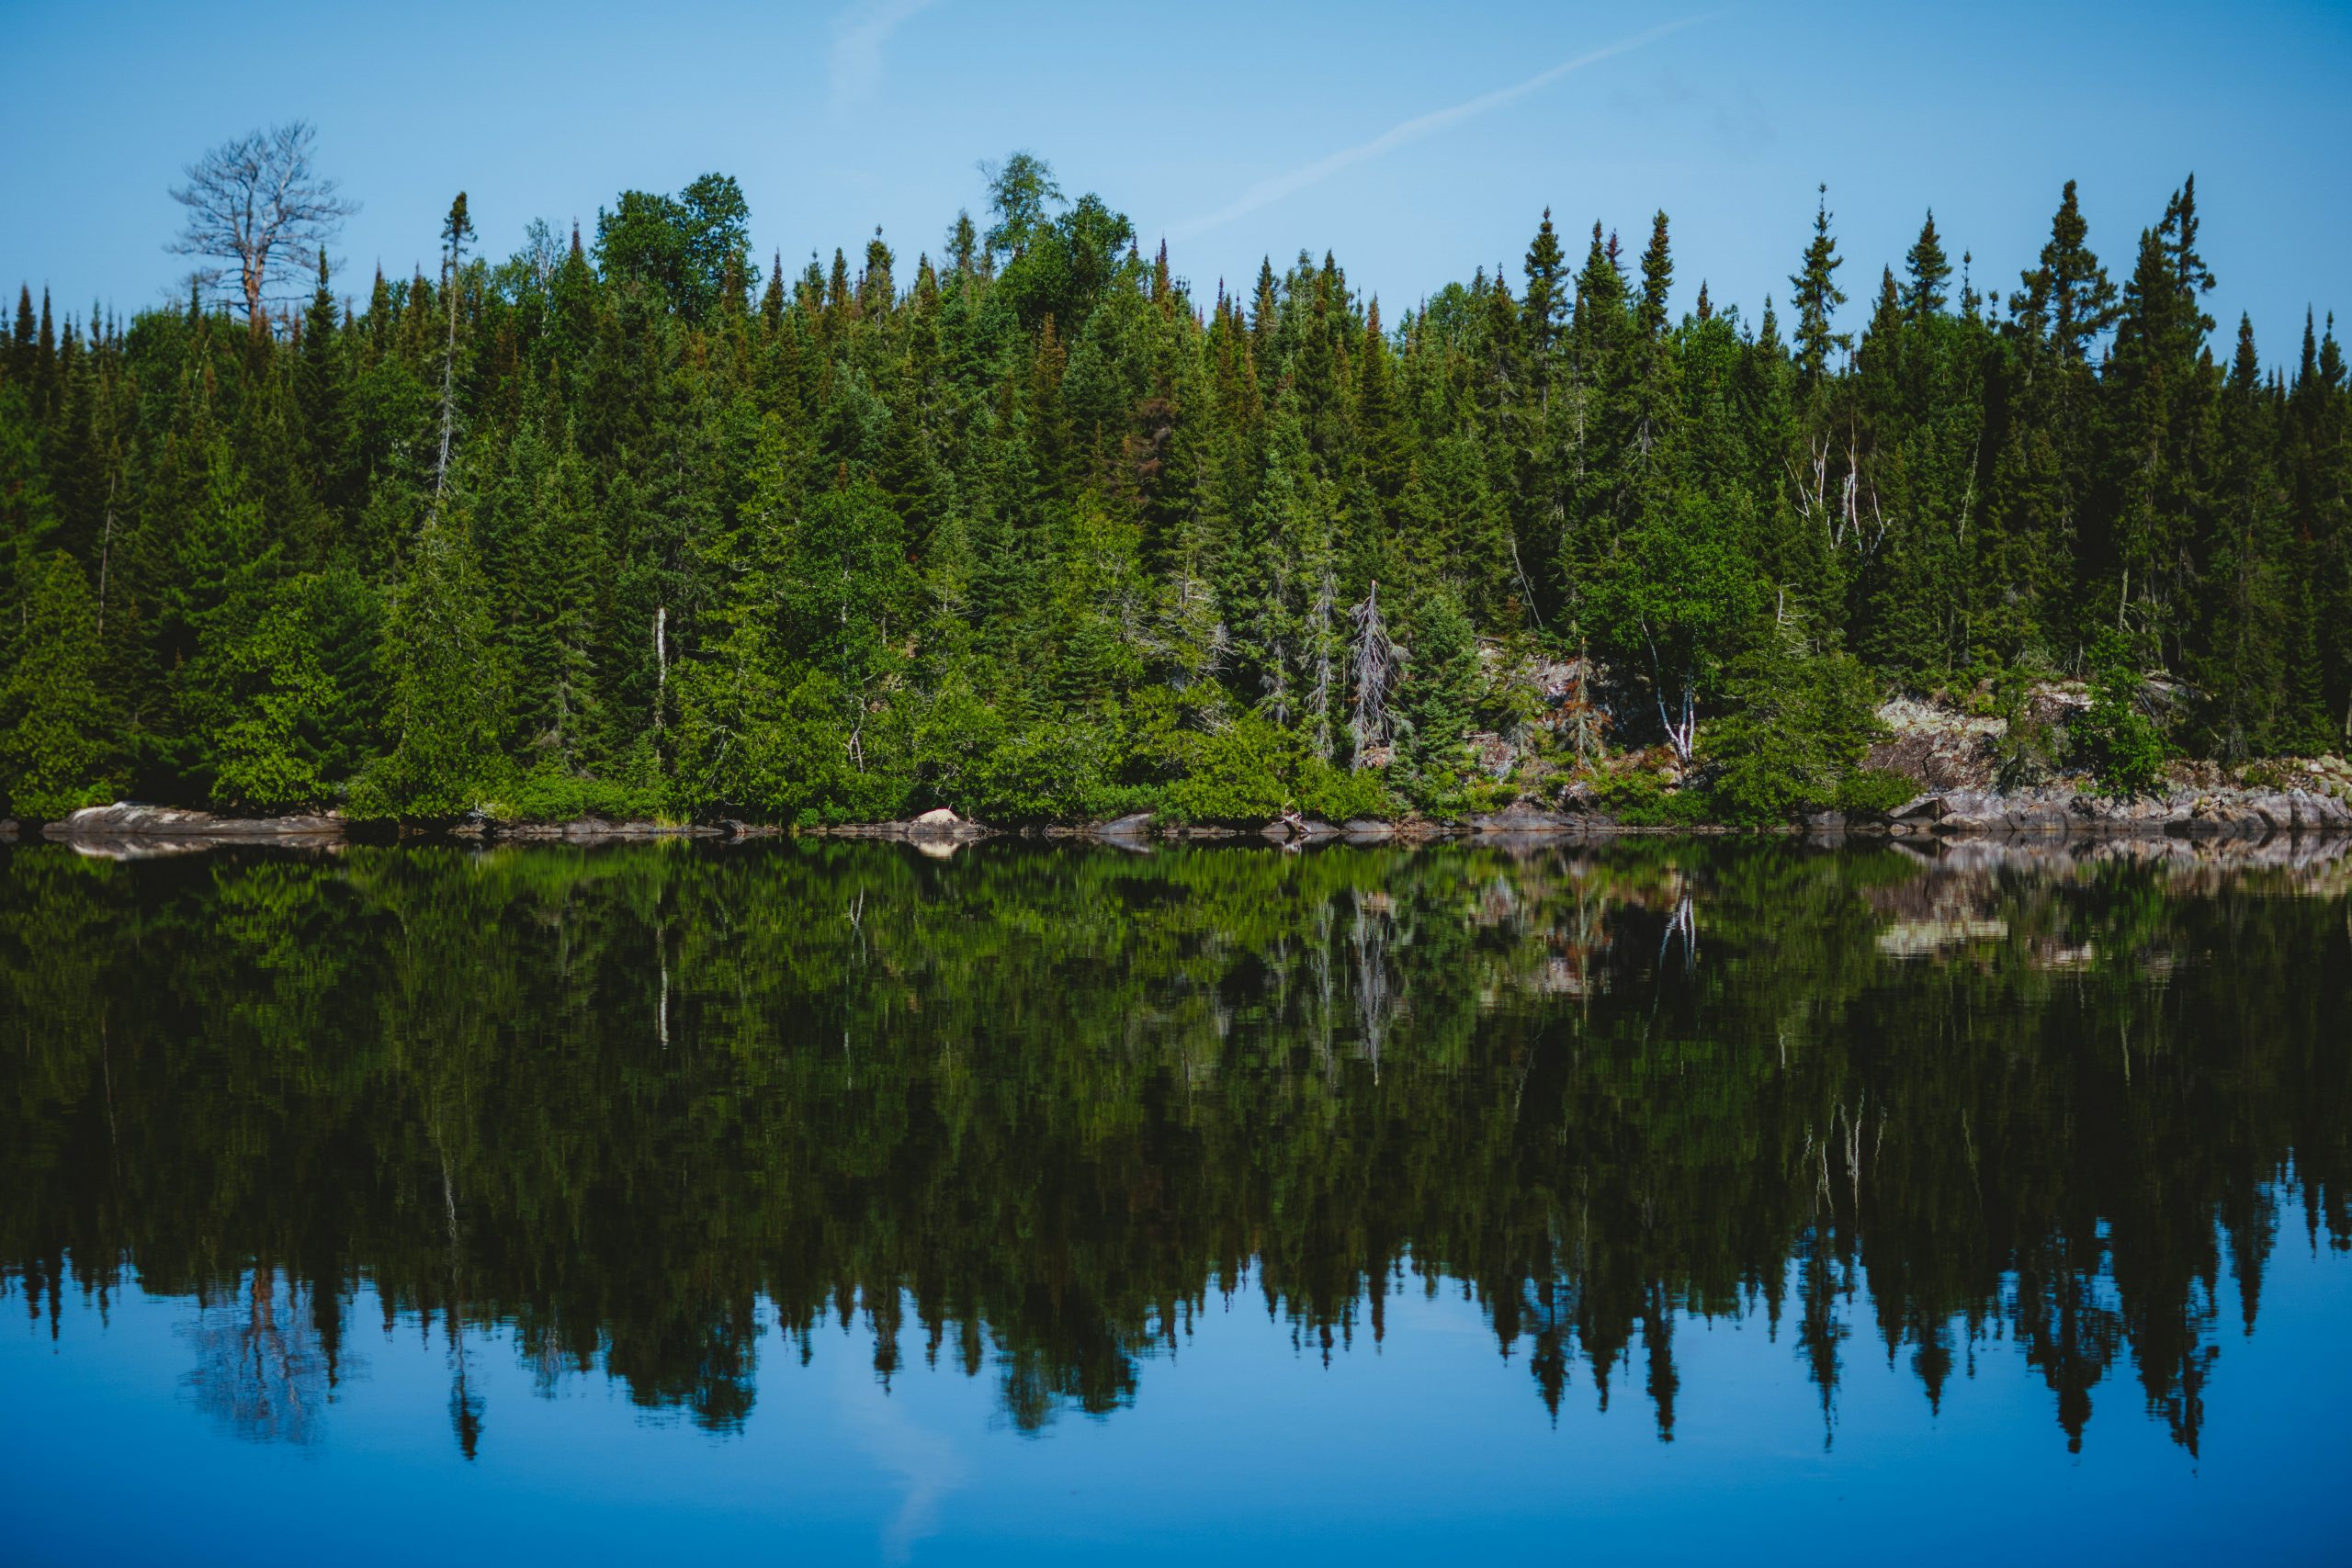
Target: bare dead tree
{"points": [[256, 207], [1374, 661], [1327, 594]]}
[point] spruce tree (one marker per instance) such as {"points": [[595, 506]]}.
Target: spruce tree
{"points": [[1816, 295], [445, 678], [53, 724], [1927, 272]]}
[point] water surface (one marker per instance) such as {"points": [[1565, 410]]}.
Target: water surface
{"points": [[830, 1201]]}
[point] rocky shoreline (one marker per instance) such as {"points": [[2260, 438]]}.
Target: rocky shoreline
{"points": [[2232, 813]]}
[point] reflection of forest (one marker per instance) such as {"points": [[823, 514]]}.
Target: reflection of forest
{"points": [[1026, 1109]]}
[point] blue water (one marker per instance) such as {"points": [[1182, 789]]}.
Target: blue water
{"points": [[832, 1204], [1245, 1446]]}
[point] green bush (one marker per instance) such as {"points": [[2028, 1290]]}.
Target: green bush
{"points": [[550, 793], [1874, 790], [1053, 772], [2122, 745], [1335, 795], [1804, 718], [1239, 774], [1643, 800]]}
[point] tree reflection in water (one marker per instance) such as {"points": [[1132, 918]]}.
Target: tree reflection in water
{"points": [[1029, 1110], [266, 1364]]}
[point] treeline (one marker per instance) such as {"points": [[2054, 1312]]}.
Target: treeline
{"points": [[630, 523], [1027, 1112]]}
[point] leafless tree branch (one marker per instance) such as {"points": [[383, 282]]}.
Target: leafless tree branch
{"points": [[256, 209]]}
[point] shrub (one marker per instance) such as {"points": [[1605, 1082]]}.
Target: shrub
{"points": [[1876, 791], [1239, 774], [1643, 800], [1335, 794], [2122, 745], [1803, 721], [551, 794], [1051, 773]]}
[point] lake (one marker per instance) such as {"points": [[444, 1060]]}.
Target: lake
{"points": [[833, 1201]]}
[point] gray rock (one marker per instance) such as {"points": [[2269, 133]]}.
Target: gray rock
{"points": [[124, 819], [1521, 818], [602, 829], [940, 824]]}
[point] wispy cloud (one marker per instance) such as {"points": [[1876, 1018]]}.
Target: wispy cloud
{"points": [[859, 33], [1266, 192]]}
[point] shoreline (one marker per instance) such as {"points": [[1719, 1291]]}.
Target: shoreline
{"points": [[2243, 814]]}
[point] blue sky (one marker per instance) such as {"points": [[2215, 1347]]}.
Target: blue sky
{"points": [[1414, 142]]}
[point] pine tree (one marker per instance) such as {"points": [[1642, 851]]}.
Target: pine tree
{"points": [[1545, 301], [2163, 382], [446, 680], [1814, 293], [53, 725], [322, 391], [1927, 273]]}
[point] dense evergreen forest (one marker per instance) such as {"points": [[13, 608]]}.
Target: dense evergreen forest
{"points": [[627, 522]]}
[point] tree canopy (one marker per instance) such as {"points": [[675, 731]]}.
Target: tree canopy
{"points": [[1033, 528]]}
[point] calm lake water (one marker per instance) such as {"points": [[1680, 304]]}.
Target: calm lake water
{"points": [[830, 1203]]}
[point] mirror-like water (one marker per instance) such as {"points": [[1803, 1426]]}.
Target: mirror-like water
{"points": [[827, 1199]]}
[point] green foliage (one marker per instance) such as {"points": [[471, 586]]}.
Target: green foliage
{"points": [[547, 794], [683, 247], [53, 714], [1035, 527], [1641, 799], [2116, 738], [447, 688], [1441, 681], [1874, 792], [1672, 601], [1048, 772], [1245, 772], [269, 755], [1335, 795], [1802, 719]]}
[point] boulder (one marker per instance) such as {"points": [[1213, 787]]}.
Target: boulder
{"points": [[127, 819], [1580, 796], [940, 823]]}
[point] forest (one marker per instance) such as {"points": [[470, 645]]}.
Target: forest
{"points": [[628, 523]]}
